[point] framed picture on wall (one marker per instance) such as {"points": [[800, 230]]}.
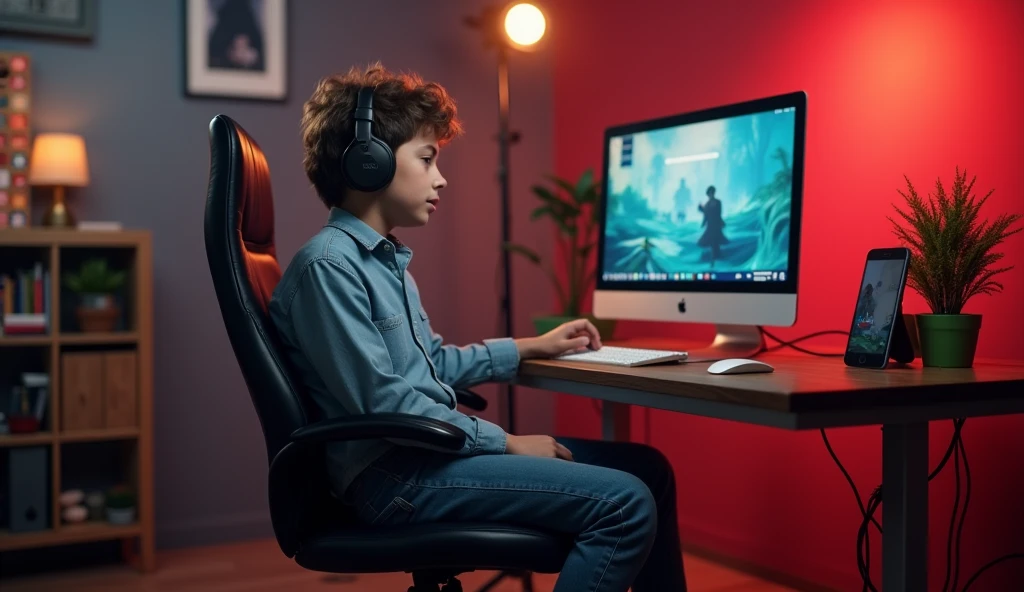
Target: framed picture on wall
{"points": [[236, 49], [74, 19]]}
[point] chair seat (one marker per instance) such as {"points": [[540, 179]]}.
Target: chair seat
{"points": [[438, 546]]}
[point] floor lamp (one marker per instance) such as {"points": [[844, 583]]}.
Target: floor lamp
{"points": [[516, 25]]}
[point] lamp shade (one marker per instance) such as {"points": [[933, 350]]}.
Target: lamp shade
{"points": [[59, 159]]}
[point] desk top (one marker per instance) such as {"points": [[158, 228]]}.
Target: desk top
{"points": [[800, 384]]}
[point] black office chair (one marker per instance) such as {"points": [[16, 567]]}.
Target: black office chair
{"points": [[310, 525]]}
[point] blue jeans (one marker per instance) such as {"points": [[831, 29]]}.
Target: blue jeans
{"points": [[617, 498]]}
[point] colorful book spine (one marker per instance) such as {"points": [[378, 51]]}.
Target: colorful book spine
{"points": [[25, 301], [8, 294], [37, 288]]}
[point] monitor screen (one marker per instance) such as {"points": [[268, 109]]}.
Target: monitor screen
{"points": [[708, 201]]}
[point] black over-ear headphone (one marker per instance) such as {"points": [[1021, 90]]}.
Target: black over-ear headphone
{"points": [[367, 163]]}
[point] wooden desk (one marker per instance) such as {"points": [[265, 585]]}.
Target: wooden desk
{"points": [[808, 392]]}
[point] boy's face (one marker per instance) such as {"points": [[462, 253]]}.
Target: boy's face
{"points": [[412, 195]]}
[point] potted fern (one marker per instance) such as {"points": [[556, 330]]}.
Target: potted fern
{"points": [[96, 284], [952, 260], [573, 206]]}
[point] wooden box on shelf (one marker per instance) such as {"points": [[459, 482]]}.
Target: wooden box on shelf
{"points": [[98, 390], [101, 383]]}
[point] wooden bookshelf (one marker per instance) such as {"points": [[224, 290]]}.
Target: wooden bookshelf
{"points": [[24, 340], [58, 250], [12, 440], [68, 534]]}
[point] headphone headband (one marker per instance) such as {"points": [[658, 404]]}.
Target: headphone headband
{"points": [[364, 114]]}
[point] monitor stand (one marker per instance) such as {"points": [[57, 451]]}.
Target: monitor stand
{"points": [[731, 341]]}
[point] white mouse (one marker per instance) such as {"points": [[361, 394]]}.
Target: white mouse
{"points": [[739, 366]]}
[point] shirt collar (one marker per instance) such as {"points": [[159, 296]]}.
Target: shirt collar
{"points": [[359, 230]]}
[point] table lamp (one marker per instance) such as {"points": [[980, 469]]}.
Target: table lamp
{"points": [[59, 160]]}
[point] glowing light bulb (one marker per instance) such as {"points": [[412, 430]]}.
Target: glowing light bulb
{"points": [[524, 24]]}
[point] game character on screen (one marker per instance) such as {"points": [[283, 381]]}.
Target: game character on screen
{"points": [[713, 223], [867, 303], [682, 200]]}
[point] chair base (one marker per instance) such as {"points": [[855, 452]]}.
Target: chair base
{"points": [[432, 581], [524, 577]]}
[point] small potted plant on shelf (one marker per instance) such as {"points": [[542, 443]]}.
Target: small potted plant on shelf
{"points": [[120, 505], [574, 209], [96, 283], [952, 260]]}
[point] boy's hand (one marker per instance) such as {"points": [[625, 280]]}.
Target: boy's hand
{"points": [[542, 446], [569, 337]]}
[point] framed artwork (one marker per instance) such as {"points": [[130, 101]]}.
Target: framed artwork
{"points": [[236, 49], [75, 19]]}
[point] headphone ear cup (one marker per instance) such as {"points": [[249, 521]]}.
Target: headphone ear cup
{"points": [[369, 167]]}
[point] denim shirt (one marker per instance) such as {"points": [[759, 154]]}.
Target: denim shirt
{"points": [[349, 316]]}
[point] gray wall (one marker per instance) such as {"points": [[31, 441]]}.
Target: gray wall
{"points": [[149, 159]]}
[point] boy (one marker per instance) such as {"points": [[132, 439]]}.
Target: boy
{"points": [[350, 317]]}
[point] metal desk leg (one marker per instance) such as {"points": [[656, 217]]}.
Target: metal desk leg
{"points": [[905, 507], [615, 421]]}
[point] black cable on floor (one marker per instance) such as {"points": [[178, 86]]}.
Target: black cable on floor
{"points": [[991, 564]]}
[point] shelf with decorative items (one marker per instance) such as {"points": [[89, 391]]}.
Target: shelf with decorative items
{"points": [[76, 390]]}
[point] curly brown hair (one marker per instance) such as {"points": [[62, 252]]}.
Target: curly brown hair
{"points": [[403, 106]]}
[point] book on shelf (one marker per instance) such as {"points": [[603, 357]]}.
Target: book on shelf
{"points": [[25, 301]]}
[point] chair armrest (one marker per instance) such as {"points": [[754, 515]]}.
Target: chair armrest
{"points": [[300, 502], [394, 426], [470, 399]]}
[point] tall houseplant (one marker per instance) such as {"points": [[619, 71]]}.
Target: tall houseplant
{"points": [[952, 260], [573, 206]]}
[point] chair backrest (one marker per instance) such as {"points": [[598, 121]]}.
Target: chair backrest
{"points": [[239, 230]]}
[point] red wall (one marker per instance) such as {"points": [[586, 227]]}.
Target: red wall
{"points": [[893, 88]]}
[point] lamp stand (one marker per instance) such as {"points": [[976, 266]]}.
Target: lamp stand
{"points": [[490, 26], [504, 141], [58, 215]]}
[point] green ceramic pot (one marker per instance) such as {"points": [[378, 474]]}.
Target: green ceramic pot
{"points": [[948, 340], [605, 327]]}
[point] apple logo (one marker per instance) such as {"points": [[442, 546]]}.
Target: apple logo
{"points": [[682, 305]]}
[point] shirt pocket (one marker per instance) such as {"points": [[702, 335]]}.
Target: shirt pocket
{"points": [[392, 330]]}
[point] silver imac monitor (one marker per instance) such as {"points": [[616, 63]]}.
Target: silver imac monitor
{"points": [[701, 221]]}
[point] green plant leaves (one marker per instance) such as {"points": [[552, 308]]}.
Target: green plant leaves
{"points": [[524, 251], [951, 244], [567, 203], [94, 277]]}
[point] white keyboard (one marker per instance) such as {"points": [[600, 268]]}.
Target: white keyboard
{"points": [[625, 356]]}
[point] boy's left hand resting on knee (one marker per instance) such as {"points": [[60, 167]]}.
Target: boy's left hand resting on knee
{"points": [[574, 336]]}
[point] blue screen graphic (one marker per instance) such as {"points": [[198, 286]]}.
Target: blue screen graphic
{"points": [[702, 201]]}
